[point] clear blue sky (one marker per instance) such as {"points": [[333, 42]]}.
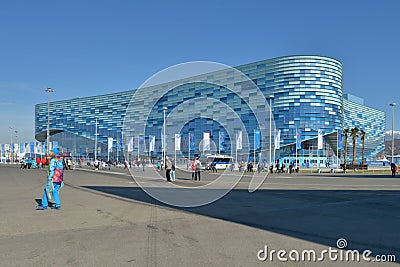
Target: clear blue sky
{"points": [[84, 48]]}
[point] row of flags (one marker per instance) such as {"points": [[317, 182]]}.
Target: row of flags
{"points": [[206, 142], [40, 147], [23, 148], [221, 141]]}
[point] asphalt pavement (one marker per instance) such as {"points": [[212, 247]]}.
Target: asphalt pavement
{"points": [[107, 220]]}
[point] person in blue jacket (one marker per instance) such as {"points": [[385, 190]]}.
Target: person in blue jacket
{"points": [[55, 180]]}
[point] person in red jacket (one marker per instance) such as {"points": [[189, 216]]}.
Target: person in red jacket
{"points": [[193, 167], [44, 162], [38, 161]]}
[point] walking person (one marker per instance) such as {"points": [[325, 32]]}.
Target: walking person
{"points": [[168, 167], [44, 162], [198, 167], [277, 167], [290, 168], [193, 167], [173, 170], [29, 162], [69, 163], [38, 162], [393, 168], [158, 165], [54, 183]]}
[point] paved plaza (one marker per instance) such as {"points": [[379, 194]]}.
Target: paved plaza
{"points": [[107, 220]]}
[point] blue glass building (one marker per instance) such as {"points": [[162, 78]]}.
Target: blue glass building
{"points": [[307, 96], [368, 119]]}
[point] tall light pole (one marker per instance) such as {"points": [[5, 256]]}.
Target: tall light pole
{"points": [[392, 105], [270, 129], [165, 139], [16, 141], [95, 139], [48, 90], [11, 144]]}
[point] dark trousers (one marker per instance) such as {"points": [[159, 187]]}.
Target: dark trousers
{"points": [[193, 175], [168, 174], [197, 175]]}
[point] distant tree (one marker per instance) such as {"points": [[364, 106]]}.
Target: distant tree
{"points": [[346, 133], [362, 135], [354, 134]]}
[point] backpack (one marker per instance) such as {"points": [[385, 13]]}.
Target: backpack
{"points": [[198, 164]]}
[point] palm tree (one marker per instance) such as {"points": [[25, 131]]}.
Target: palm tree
{"points": [[346, 133], [354, 134], [362, 135]]}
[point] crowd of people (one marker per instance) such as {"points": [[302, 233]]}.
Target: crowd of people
{"points": [[100, 164], [42, 162]]}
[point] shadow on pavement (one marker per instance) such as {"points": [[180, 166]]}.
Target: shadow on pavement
{"points": [[39, 202], [367, 219]]}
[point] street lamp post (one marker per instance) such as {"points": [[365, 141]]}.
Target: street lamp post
{"points": [[270, 129], [16, 141], [48, 90], [164, 138], [11, 144], [392, 105], [95, 139]]}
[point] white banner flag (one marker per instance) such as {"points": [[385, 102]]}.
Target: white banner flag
{"points": [[277, 139], [239, 140], [177, 142], [152, 143], [206, 141], [16, 148], [320, 140], [130, 144], [110, 143], [164, 140], [27, 148], [7, 148], [38, 148]]}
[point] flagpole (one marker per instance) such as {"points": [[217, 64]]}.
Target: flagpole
{"points": [[148, 150], [138, 148], [274, 154], [236, 146], [295, 164], [189, 151], [219, 143], [175, 150], [270, 129], [254, 148], [337, 150]]}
